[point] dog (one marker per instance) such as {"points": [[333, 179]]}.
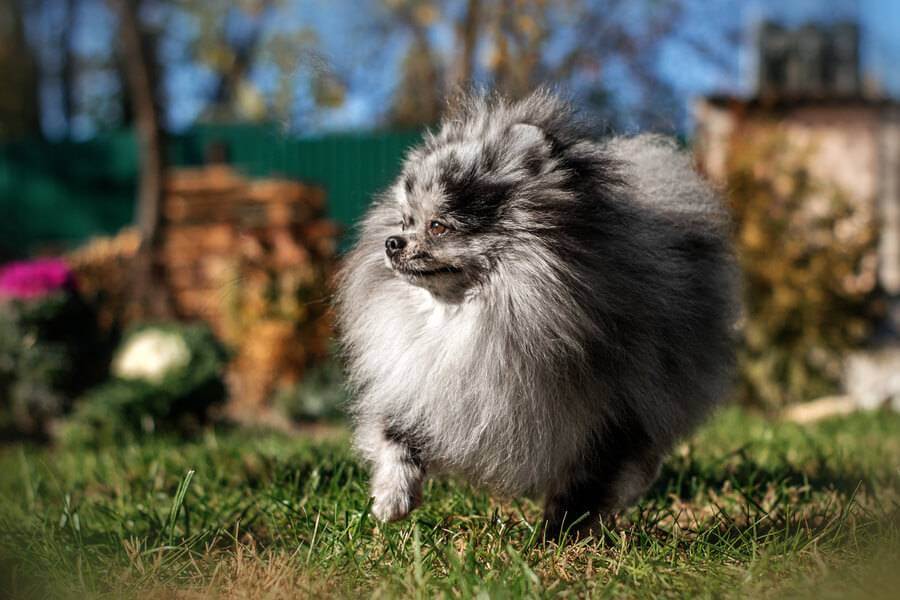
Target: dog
{"points": [[535, 311]]}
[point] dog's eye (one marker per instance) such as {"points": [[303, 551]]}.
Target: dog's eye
{"points": [[437, 228]]}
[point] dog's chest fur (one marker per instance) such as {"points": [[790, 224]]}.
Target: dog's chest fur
{"points": [[442, 374]]}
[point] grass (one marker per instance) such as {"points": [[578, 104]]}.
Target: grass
{"points": [[746, 508]]}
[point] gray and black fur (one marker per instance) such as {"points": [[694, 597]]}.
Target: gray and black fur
{"points": [[535, 311]]}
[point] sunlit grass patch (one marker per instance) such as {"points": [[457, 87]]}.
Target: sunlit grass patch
{"points": [[744, 508]]}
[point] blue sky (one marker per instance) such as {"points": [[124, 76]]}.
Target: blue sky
{"points": [[369, 63], [689, 73]]}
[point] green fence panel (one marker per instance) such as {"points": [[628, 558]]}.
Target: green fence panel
{"points": [[56, 195], [350, 167]]}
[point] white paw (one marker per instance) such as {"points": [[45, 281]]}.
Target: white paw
{"points": [[392, 503]]}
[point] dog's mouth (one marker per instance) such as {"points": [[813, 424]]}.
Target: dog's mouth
{"points": [[445, 270]]}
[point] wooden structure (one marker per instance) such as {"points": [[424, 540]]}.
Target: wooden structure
{"points": [[253, 258]]}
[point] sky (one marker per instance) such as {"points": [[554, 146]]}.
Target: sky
{"points": [[690, 74], [369, 64]]}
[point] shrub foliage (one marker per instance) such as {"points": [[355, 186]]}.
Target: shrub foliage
{"points": [[808, 253], [50, 352], [126, 408]]}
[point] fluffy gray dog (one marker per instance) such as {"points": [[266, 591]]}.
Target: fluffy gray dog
{"points": [[535, 311]]}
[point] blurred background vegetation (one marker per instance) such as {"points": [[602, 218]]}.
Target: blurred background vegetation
{"points": [[179, 178]]}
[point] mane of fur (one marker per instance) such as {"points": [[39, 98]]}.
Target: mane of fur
{"points": [[610, 295]]}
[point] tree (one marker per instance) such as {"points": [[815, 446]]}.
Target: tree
{"points": [[68, 72], [150, 295], [19, 99], [235, 38], [514, 46], [519, 34], [229, 40], [419, 92], [467, 35]]}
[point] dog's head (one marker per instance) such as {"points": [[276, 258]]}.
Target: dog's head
{"points": [[461, 201]]}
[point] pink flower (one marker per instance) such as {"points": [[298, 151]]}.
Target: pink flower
{"points": [[31, 279]]}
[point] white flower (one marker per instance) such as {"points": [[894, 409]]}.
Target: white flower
{"points": [[151, 355]]}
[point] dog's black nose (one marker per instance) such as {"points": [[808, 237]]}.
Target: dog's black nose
{"points": [[394, 244]]}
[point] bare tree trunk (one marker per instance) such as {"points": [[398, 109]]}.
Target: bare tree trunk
{"points": [[502, 63], [225, 97], [520, 48], [150, 292], [418, 98], [468, 40], [20, 76], [67, 71]]}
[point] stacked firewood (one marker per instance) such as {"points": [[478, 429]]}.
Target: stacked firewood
{"points": [[103, 269], [254, 259]]}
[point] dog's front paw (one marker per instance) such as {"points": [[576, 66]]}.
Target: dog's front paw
{"points": [[393, 504]]}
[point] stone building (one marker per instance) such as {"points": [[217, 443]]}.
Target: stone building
{"points": [[809, 88], [855, 145], [810, 95]]}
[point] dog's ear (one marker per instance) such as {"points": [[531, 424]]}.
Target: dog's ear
{"points": [[529, 146]]}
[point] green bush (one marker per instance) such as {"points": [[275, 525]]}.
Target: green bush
{"points": [[50, 352], [320, 396], [141, 399]]}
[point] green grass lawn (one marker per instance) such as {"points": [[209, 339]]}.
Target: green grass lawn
{"points": [[746, 508]]}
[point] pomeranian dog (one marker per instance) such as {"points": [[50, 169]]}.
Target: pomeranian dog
{"points": [[535, 311]]}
